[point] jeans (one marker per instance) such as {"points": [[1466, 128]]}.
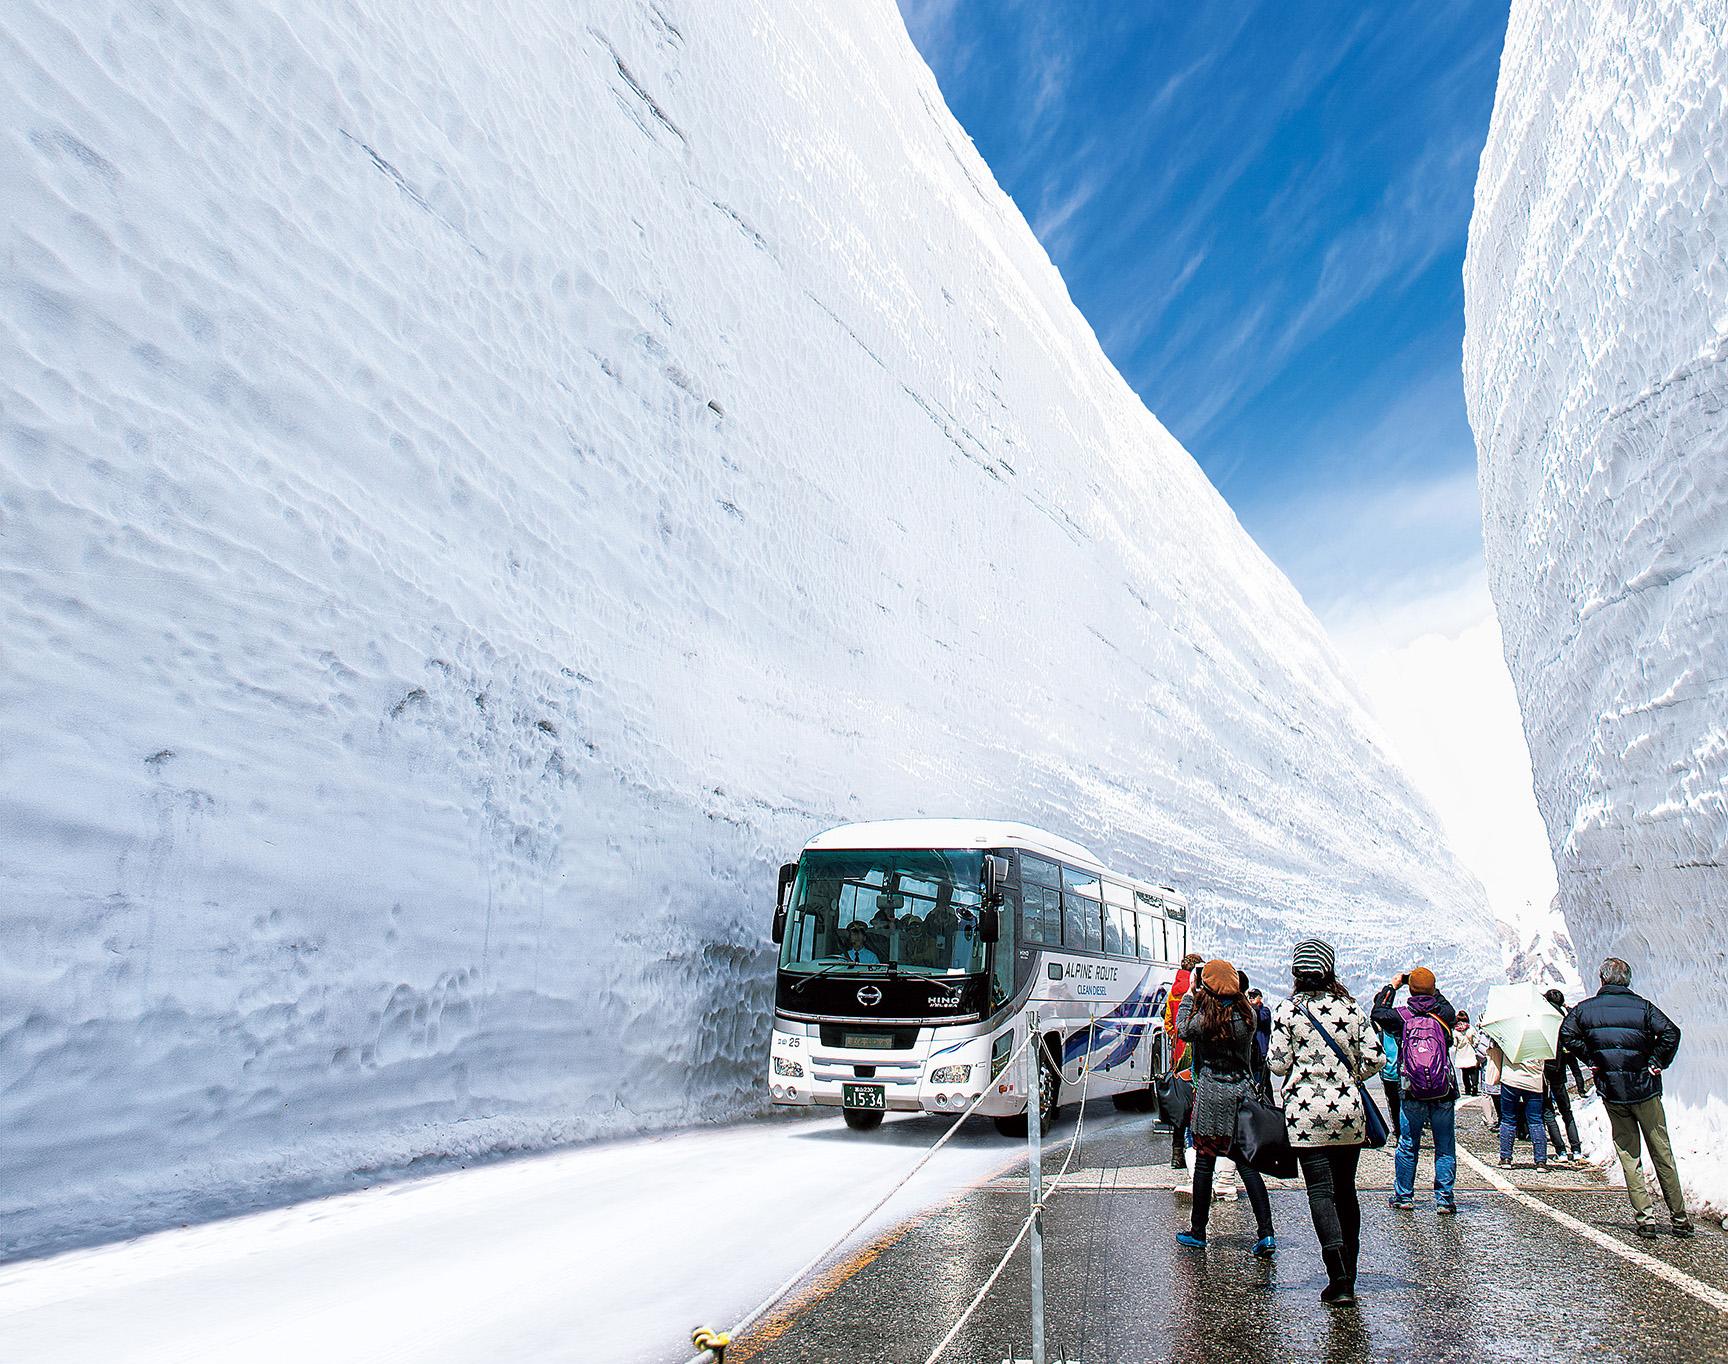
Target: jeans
{"points": [[1472, 1080], [1330, 1174], [1516, 1103], [1560, 1105], [1415, 1115], [1648, 1120], [1204, 1165]]}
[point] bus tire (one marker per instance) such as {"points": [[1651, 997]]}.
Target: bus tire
{"points": [[863, 1119], [1049, 1082]]}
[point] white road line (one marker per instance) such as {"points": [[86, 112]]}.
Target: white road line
{"points": [[1712, 1297]]}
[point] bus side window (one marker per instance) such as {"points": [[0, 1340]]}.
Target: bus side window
{"points": [[1037, 869], [1118, 931], [1042, 908], [1151, 936], [1082, 927]]}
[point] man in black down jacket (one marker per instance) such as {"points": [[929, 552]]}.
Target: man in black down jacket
{"points": [[1629, 1042]]}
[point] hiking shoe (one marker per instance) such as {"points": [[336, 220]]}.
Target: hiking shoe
{"points": [[1684, 1229], [1505, 1162], [1401, 1204], [1267, 1246], [1647, 1230], [1189, 1239], [1540, 1167], [1178, 1162], [1445, 1209]]}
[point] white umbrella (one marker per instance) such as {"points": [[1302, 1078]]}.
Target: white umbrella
{"points": [[1526, 1025]]}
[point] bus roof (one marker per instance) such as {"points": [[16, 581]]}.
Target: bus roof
{"points": [[972, 833]]}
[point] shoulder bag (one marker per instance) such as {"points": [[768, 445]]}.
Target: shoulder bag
{"points": [[1175, 1097], [1262, 1140]]}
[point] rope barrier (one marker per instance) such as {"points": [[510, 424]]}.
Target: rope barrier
{"points": [[711, 1345], [1055, 1187]]}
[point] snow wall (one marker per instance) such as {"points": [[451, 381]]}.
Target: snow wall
{"points": [[1596, 369], [481, 486]]}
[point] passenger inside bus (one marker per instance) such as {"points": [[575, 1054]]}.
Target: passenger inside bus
{"points": [[880, 934], [917, 947]]}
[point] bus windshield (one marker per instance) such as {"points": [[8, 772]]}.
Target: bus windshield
{"points": [[912, 910]]}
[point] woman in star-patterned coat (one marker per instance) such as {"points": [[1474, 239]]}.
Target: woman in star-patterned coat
{"points": [[1323, 1106]]}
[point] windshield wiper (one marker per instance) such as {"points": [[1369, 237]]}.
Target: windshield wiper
{"points": [[828, 970]]}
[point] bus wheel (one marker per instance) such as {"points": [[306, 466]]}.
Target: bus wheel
{"points": [[863, 1119], [1048, 1082]]}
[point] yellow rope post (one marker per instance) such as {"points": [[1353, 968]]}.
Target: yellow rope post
{"points": [[713, 1341]]}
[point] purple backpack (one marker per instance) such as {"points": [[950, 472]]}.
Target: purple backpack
{"points": [[1424, 1056]]}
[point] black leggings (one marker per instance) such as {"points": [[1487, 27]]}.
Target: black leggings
{"points": [[1558, 1098], [1330, 1174], [1204, 1165], [1472, 1080]]}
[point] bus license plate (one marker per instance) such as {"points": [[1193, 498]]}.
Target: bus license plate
{"points": [[863, 1096]]}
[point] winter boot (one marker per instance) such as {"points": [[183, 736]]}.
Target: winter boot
{"points": [[1340, 1291]]}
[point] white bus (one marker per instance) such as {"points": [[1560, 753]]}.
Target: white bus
{"points": [[909, 950]]}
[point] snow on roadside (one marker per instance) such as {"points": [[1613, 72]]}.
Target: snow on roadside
{"points": [[611, 1251]]}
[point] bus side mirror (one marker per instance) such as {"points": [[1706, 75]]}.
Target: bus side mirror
{"points": [[995, 884], [788, 874]]}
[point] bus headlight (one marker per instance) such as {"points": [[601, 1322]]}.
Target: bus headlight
{"points": [[950, 1075], [789, 1068]]}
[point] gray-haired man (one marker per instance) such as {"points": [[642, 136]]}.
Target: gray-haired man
{"points": [[1629, 1042]]}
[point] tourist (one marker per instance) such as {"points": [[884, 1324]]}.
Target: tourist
{"points": [[1628, 1043], [1178, 1048], [1468, 1057], [1422, 1030], [1562, 1129], [1322, 1046], [1217, 1023]]}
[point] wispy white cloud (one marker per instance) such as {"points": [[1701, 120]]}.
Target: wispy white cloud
{"points": [[934, 26], [1386, 500], [1059, 210]]}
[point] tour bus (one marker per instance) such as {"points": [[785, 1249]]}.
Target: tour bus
{"points": [[910, 950]]}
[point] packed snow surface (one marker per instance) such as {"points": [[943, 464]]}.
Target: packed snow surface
{"points": [[1596, 368], [480, 485]]}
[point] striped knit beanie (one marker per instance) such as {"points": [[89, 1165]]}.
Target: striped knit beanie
{"points": [[1313, 957]]}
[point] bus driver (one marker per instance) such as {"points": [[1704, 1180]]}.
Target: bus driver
{"points": [[855, 950]]}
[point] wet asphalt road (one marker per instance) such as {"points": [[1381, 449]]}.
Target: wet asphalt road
{"points": [[1497, 1282]]}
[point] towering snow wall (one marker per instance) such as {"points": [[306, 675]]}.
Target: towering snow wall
{"points": [[1596, 367], [481, 486]]}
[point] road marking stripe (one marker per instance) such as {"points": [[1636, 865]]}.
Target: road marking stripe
{"points": [[1713, 1297]]}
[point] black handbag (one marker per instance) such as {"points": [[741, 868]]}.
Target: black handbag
{"points": [[1374, 1121], [1262, 1139], [1175, 1098]]}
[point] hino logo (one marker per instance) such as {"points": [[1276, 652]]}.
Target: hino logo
{"points": [[870, 996]]}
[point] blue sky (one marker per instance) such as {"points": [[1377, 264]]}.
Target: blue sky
{"points": [[1261, 209]]}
